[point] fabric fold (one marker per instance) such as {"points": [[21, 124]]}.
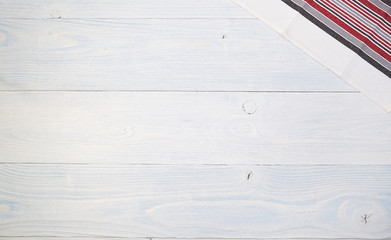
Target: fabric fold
{"points": [[348, 37]]}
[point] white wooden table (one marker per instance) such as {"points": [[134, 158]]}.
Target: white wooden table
{"points": [[179, 119]]}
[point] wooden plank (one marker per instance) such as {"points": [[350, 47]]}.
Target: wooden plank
{"points": [[157, 54], [121, 9], [195, 201], [192, 128], [157, 238], [276, 14]]}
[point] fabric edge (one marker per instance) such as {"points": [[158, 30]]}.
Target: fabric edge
{"points": [[279, 26], [335, 35], [363, 76], [351, 79]]}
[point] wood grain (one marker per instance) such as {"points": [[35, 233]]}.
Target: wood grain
{"points": [[195, 201], [149, 238], [121, 9], [155, 54], [115, 122], [159, 238], [192, 128]]}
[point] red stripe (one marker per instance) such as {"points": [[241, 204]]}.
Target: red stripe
{"points": [[368, 15], [349, 29], [358, 24], [377, 10]]}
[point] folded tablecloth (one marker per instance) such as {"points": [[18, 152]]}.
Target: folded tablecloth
{"points": [[350, 37]]}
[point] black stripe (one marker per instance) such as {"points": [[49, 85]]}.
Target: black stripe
{"points": [[372, 24], [373, 13], [374, 41], [388, 2], [338, 37]]}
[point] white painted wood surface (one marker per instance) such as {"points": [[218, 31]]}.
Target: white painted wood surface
{"points": [[279, 20], [155, 238], [193, 128], [324, 48], [179, 119], [195, 201], [155, 54], [121, 9]]}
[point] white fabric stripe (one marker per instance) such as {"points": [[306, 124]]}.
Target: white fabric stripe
{"points": [[385, 44], [364, 46], [319, 44], [373, 18], [362, 18], [377, 15], [370, 81], [379, 19], [261, 10], [343, 33], [366, 33], [381, 5], [330, 52]]}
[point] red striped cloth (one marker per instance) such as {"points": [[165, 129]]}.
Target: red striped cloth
{"points": [[362, 25]]}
